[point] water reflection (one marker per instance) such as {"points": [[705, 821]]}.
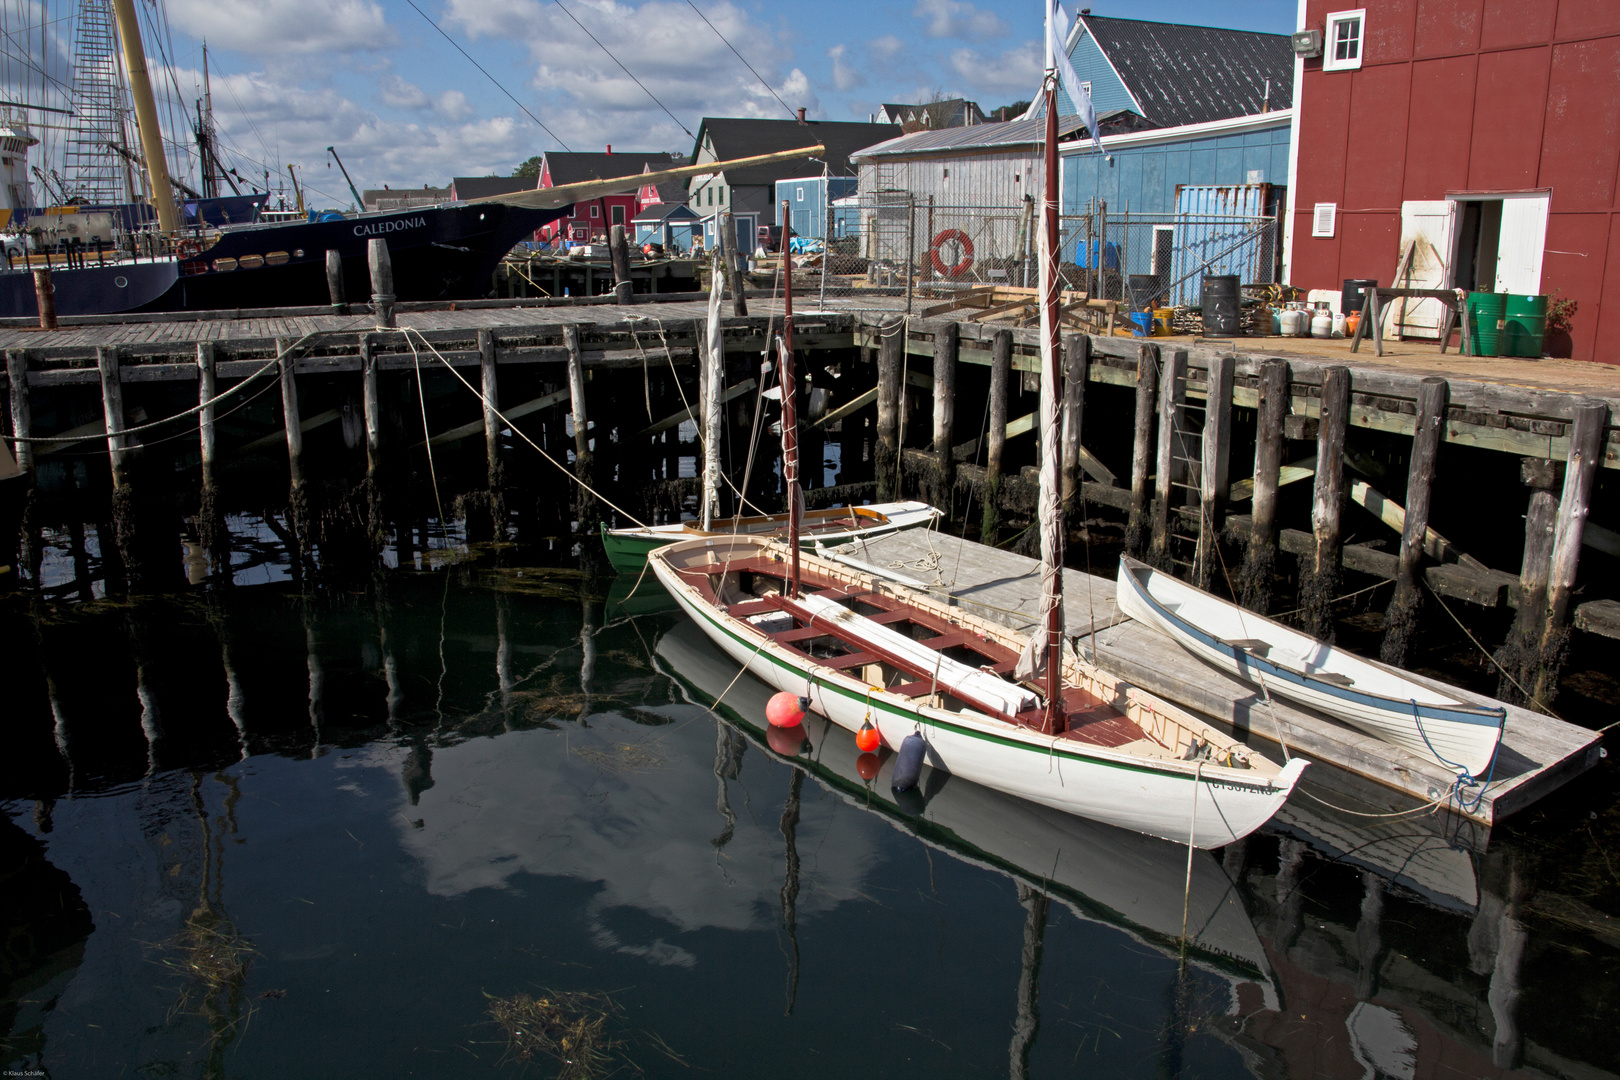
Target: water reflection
{"points": [[483, 780]]}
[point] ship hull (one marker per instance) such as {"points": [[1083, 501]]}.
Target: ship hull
{"points": [[437, 252]]}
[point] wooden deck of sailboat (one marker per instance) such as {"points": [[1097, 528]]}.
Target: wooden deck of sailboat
{"points": [[1089, 719], [1538, 753]]}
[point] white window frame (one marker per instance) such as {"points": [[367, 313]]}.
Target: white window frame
{"points": [[1330, 39], [799, 194], [596, 211]]}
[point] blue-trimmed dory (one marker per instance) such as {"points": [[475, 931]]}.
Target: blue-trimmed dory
{"points": [[1371, 697]]}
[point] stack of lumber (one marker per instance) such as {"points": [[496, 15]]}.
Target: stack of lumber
{"points": [[1014, 306]]}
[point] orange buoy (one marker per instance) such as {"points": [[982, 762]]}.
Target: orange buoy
{"points": [[868, 738], [787, 741], [786, 709], [868, 765]]}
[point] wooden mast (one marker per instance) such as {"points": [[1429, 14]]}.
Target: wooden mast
{"points": [[790, 413], [146, 117], [1052, 545]]}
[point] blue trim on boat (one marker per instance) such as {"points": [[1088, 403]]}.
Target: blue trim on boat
{"points": [[1481, 716]]}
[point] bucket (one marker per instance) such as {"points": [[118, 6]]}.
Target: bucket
{"points": [[1220, 305], [1161, 321], [1524, 325], [1144, 290], [1141, 324], [1350, 296], [1485, 312]]}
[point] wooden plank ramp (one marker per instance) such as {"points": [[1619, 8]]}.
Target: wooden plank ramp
{"points": [[1538, 754]]}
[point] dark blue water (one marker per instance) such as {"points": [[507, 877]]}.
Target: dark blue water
{"points": [[252, 832]]}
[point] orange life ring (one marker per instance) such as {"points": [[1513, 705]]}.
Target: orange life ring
{"points": [[963, 265]]}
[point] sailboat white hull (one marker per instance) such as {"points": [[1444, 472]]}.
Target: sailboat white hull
{"points": [[1210, 804]]}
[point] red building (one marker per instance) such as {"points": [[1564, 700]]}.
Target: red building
{"points": [[1488, 131], [593, 219]]}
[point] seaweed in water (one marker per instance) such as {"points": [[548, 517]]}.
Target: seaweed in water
{"points": [[569, 1028]]}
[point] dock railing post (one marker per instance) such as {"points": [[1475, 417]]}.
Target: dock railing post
{"points": [[947, 346], [1580, 477], [382, 281], [1000, 376], [1260, 556], [334, 282], [1319, 582], [1147, 403], [1076, 363], [1214, 471], [891, 384], [1170, 469], [1400, 618], [619, 252]]}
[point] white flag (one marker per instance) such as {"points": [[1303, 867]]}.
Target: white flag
{"points": [[1057, 33]]}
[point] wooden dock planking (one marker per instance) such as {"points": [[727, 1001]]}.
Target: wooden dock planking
{"points": [[1538, 754]]}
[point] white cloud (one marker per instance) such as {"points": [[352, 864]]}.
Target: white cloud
{"points": [[285, 26], [400, 94], [453, 106], [1016, 71], [845, 75], [958, 19], [885, 47]]}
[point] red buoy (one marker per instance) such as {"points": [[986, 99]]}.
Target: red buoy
{"points": [[785, 709], [787, 741], [868, 738], [868, 766]]}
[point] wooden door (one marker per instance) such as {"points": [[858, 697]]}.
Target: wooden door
{"points": [[1429, 228]]}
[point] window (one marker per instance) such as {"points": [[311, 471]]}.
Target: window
{"points": [[1322, 220], [618, 215], [1341, 51], [1085, 85], [722, 196], [596, 211], [798, 194], [711, 196]]}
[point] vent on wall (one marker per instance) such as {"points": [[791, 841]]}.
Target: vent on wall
{"points": [[1322, 221]]}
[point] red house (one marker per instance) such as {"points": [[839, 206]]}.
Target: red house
{"points": [[593, 219], [1485, 133]]}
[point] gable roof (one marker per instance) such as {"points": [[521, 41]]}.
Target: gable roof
{"points": [[659, 212], [1005, 135], [956, 112], [572, 167], [479, 187], [1192, 74], [745, 137]]}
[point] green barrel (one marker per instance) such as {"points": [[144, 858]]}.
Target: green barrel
{"points": [[1524, 325], [1486, 311]]}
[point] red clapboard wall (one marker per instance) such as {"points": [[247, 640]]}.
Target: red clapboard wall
{"points": [[1459, 97]]}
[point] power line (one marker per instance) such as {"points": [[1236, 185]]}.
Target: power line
{"points": [[745, 63], [487, 75], [624, 69]]}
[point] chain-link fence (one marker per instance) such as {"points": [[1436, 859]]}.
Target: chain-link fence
{"points": [[890, 249]]}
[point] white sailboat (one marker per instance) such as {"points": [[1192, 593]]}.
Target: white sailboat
{"points": [[1020, 715]]}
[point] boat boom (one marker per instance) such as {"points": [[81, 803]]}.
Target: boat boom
{"points": [[552, 197]]}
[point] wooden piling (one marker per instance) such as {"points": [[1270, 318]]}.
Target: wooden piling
{"points": [[371, 404], [289, 412], [728, 264], [492, 426], [1580, 476], [210, 521], [382, 281], [587, 513], [1260, 556], [891, 384], [334, 282], [947, 346], [1214, 472], [22, 415], [1000, 375], [45, 296], [1076, 362], [1319, 583], [1400, 618], [1147, 389], [112, 401], [619, 253], [1517, 657], [1170, 471]]}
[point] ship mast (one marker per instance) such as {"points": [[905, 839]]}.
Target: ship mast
{"points": [[146, 118]]}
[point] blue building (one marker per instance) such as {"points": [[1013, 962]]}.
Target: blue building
{"points": [[807, 200]]}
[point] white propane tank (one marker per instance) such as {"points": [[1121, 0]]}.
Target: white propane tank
{"points": [[1322, 322], [1295, 322], [1338, 325]]}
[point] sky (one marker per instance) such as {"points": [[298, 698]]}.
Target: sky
{"points": [[382, 82]]}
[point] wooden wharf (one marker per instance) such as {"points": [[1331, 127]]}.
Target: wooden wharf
{"points": [[1538, 754], [1187, 408]]}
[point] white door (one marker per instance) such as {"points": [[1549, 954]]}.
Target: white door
{"points": [[1524, 236], [1429, 228]]}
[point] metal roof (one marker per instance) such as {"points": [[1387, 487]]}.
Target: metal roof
{"points": [[1006, 135], [735, 137], [1192, 74]]}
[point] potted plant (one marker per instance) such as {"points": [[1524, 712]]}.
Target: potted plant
{"points": [[1560, 322]]}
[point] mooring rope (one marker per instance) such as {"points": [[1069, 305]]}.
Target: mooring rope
{"points": [[427, 439]]}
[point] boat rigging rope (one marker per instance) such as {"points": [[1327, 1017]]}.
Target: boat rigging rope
{"points": [[490, 405], [427, 441]]}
